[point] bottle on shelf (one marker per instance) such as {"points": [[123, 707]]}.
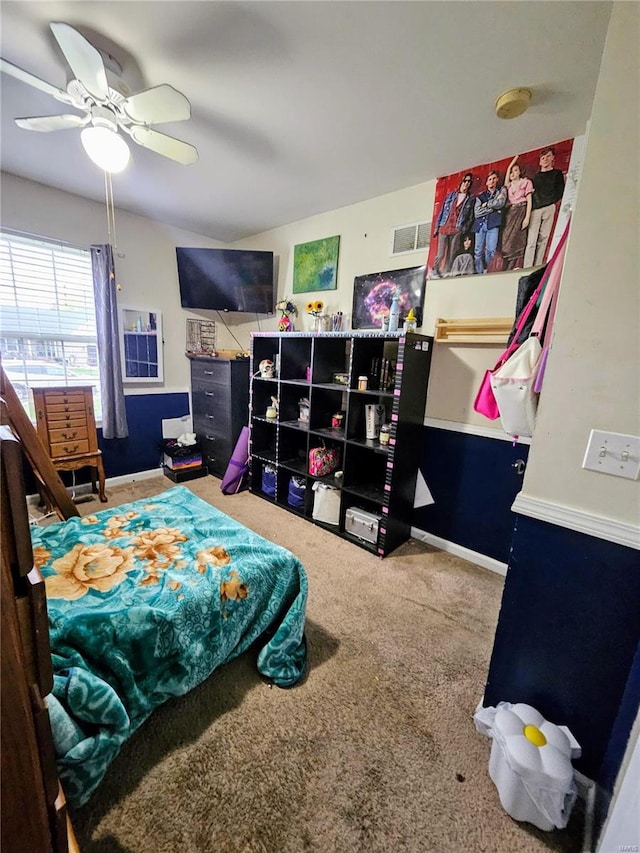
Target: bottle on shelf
{"points": [[394, 315], [410, 321]]}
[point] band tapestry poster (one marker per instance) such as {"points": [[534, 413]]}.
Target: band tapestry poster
{"points": [[498, 216]]}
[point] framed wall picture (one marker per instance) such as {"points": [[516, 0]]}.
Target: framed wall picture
{"points": [[141, 344], [201, 337], [315, 265], [372, 295]]}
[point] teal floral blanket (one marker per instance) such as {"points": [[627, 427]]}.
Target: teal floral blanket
{"points": [[145, 600]]}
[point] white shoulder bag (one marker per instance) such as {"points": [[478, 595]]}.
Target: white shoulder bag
{"points": [[513, 383]]}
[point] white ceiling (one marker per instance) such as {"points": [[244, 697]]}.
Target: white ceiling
{"points": [[303, 107]]}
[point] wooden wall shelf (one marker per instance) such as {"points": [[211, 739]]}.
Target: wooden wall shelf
{"points": [[475, 330]]}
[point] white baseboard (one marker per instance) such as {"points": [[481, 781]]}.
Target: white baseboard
{"points": [[587, 792], [599, 526], [85, 488], [132, 478], [460, 551]]}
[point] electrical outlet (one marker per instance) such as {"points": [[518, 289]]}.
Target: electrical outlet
{"points": [[613, 453]]}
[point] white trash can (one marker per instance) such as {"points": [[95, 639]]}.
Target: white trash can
{"points": [[530, 764]]}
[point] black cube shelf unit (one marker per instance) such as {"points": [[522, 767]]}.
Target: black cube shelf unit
{"points": [[379, 479]]}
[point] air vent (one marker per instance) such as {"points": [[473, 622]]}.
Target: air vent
{"points": [[410, 238]]}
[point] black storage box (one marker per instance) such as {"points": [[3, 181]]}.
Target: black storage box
{"points": [[186, 474]]}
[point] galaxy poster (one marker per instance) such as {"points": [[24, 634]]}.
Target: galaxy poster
{"points": [[372, 295], [502, 215]]}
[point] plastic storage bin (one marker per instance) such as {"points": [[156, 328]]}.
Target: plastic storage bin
{"points": [[530, 765]]}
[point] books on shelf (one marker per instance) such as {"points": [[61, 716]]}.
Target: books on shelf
{"points": [[383, 374]]}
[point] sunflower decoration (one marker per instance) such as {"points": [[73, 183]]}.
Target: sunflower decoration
{"points": [[315, 307]]}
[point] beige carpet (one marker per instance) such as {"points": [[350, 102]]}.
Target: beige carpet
{"points": [[375, 751]]}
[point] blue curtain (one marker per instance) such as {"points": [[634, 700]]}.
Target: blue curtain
{"points": [[114, 417]]}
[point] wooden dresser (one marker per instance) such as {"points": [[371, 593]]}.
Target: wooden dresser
{"points": [[67, 428], [220, 407]]}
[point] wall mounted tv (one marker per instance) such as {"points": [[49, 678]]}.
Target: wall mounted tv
{"points": [[226, 279]]}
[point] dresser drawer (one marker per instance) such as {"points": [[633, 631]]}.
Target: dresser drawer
{"points": [[58, 411], [216, 423], [217, 444], [206, 372], [69, 448], [61, 397], [68, 423], [216, 453], [60, 431], [214, 400]]}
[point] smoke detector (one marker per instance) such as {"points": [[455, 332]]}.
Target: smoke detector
{"points": [[513, 103]]}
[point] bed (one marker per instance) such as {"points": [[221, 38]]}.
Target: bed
{"points": [[145, 601]]}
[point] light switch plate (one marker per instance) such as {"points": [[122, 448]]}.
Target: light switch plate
{"points": [[613, 453]]}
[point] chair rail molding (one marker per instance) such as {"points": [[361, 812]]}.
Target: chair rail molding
{"points": [[600, 526], [473, 429]]}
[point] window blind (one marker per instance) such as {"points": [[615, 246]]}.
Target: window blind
{"points": [[47, 315]]}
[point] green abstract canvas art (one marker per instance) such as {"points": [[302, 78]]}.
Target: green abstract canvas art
{"points": [[315, 265]]}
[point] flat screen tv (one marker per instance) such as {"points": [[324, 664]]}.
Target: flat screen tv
{"points": [[372, 295], [226, 279]]}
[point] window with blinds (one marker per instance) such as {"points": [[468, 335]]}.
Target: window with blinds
{"points": [[47, 316]]}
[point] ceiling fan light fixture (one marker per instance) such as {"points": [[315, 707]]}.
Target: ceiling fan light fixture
{"points": [[106, 148]]}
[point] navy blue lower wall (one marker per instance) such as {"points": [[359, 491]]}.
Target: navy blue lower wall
{"points": [[474, 484], [141, 451], [567, 634]]}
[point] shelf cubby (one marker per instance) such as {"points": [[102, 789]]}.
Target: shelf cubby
{"points": [[356, 422], [293, 450], [289, 403], [325, 403], [330, 356], [263, 438], [295, 358], [282, 493], [264, 349], [256, 469], [263, 391]]}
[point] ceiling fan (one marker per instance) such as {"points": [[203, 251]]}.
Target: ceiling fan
{"points": [[106, 111]]}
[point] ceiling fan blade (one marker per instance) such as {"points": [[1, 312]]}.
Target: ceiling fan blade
{"points": [[158, 105], [36, 82], [84, 59], [46, 123], [182, 152]]}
